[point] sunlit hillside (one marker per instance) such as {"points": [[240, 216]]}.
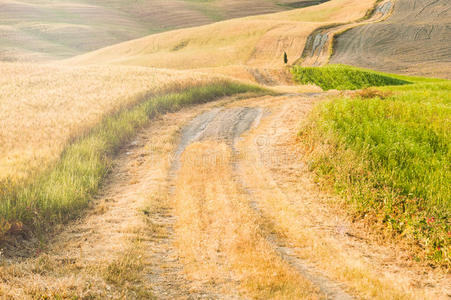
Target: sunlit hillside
{"points": [[36, 30], [252, 41]]}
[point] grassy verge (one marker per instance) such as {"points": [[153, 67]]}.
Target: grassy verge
{"points": [[343, 77], [389, 154], [66, 188]]}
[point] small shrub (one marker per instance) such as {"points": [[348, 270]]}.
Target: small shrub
{"points": [[370, 93]]}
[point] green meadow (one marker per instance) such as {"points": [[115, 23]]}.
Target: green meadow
{"points": [[387, 150]]}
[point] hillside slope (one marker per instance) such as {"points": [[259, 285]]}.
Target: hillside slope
{"points": [[33, 30], [414, 40], [252, 41]]}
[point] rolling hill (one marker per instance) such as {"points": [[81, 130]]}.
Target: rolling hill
{"points": [[234, 47], [413, 40], [42, 30]]}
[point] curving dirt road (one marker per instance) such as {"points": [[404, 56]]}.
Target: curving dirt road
{"points": [[227, 125], [217, 202], [415, 39]]}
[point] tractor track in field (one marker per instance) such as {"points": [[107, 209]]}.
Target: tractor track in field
{"points": [[320, 44], [414, 40]]}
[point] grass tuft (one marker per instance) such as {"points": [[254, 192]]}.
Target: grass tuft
{"points": [[343, 77]]}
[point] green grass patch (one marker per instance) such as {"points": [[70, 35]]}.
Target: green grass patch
{"points": [[390, 158], [343, 77], [63, 191]]}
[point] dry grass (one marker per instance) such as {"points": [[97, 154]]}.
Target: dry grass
{"points": [[255, 41], [109, 254], [121, 271], [42, 107], [219, 236]]}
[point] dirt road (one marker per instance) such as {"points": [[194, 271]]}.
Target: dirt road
{"points": [[216, 202]]}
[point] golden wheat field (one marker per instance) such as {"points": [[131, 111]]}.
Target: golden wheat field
{"points": [[43, 106]]}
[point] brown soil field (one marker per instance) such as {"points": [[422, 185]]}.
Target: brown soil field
{"points": [[413, 40], [319, 44]]}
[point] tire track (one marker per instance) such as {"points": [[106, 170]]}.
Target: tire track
{"points": [[228, 125]]}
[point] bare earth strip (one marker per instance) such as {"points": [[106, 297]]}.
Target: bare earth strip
{"points": [[238, 217]]}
